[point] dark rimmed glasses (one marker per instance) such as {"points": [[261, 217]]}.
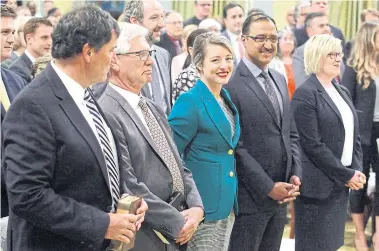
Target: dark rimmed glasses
{"points": [[263, 39]]}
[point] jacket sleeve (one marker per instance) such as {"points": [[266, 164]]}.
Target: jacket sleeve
{"points": [[160, 216], [299, 67], [305, 114], [29, 166]]}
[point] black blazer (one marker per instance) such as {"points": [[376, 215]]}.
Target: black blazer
{"points": [[302, 36], [23, 67], [364, 102], [267, 152], [55, 172], [322, 136], [13, 85], [166, 43]]}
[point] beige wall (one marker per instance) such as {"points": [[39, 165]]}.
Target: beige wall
{"points": [[279, 12]]}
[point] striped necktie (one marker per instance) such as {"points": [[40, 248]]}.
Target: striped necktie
{"points": [[112, 170]]}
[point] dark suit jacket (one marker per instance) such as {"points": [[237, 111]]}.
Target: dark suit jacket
{"points": [[347, 50], [55, 172], [147, 174], [302, 36], [23, 67], [322, 136], [267, 152], [13, 85], [225, 34], [168, 45], [192, 20], [364, 102], [6, 63], [163, 60]]}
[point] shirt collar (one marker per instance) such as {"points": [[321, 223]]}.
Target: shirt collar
{"points": [[74, 88], [233, 37], [27, 53], [253, 68], [132, 98]]}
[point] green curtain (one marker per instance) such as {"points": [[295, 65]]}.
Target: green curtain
{"points": [[346, 15], [186, 8]]}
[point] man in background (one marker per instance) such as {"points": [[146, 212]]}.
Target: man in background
{"points": [[203, 10]]}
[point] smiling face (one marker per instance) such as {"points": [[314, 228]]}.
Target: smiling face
{"points": [[234, 19], [261, 53], [153, 19], [332, 64], [217, 66]]}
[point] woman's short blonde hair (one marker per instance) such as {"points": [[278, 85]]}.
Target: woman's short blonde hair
{"points": [[317, 49]]}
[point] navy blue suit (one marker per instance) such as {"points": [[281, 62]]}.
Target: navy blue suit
{"points": [[13, 85]]}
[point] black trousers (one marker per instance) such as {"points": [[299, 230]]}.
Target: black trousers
{"points": [[358, 199], [261, 231]]}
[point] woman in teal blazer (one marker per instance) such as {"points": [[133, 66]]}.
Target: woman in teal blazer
{"points": [[206, 130]]}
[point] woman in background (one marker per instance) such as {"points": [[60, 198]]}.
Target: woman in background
{"points": [[188, 76], [361, 77], [283, 61], [178, 61]]}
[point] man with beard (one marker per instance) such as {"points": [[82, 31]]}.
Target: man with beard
{"points": [[150, 14], [268, 154]]}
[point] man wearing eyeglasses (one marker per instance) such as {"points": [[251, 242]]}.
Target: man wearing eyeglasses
{"points": [[268, 154], [171, 38], [150, 14], [203, 10], [151, 161]]}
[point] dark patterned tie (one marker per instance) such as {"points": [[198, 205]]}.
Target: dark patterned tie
{"points": [[113, 172], [162, 144], [270, 91]]}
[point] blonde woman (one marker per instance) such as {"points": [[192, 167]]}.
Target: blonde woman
{"points": [[332, 156], [361, 77]]}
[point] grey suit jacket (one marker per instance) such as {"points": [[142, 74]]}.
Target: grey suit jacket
{"points": [[163, 60], [146, 174], [23, 67], [298, 66]]}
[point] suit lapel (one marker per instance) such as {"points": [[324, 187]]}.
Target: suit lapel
{"points": [[77, 119], [133, 115], [326, 96], [253, 85], [236, 117], [214, 111]]}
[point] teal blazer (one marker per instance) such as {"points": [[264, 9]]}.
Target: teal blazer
{"points": [[203, 136]]}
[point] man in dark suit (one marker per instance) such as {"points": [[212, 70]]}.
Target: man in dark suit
{"points": [[233, 15], [151, 172], [37, 32], [60, 160], [268, 161], [317, 6], [171, 39], [149, 14], [10, 84], [316, 23], [203, 10]]}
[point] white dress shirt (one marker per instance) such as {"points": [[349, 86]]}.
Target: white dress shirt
{"points": [[76, 91], [348, 124], [235, 40], [133, 100]]}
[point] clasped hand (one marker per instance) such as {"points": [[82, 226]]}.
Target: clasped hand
{"points": [[357, 181], [284, 192], [192, 217]]}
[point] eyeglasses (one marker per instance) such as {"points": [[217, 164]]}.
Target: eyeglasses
{"points": [[263, 39], [334, 55], [143, 55]]}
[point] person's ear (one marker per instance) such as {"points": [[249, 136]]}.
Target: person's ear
{"points": [[87, 52]]}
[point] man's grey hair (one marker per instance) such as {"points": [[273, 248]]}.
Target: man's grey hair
{"points": [[127, 33], [300, 5], [200, 47], [133, 8]]}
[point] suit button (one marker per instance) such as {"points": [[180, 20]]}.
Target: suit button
{"points": [[230, 152], [284, 158], [231, 174], [82, 242], [90, 246]]}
